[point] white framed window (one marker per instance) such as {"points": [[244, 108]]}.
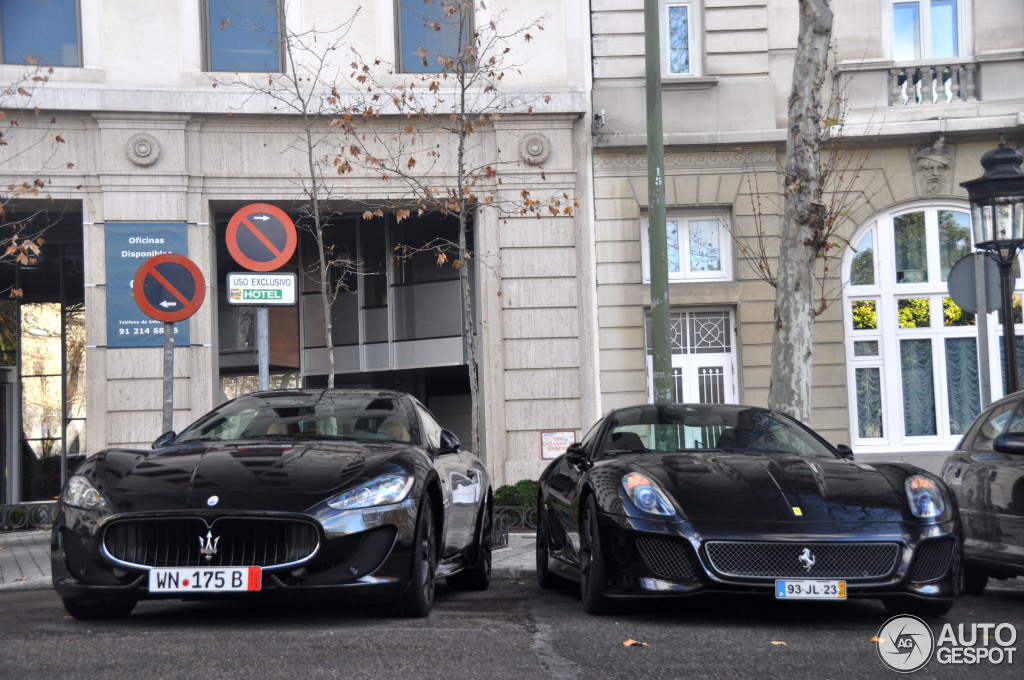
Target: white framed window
{"points": [[929, 29], [46, 32], [430, 32], [243, 35], [703, 355], [680, 38], [699, 247], [912, 353]]}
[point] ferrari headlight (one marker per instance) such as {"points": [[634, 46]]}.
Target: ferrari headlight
{"points": [[383, 490], [925, 496], [80, 493], [646, 496]]}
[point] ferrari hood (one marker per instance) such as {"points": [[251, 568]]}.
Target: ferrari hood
{"points": [[183, 476], [774, 487]]}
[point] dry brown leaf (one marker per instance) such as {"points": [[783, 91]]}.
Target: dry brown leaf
{"points": [[634, 643], [777, 643]]}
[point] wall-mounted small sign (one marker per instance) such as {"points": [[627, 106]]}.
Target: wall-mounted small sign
{"points": [[554, 443]]}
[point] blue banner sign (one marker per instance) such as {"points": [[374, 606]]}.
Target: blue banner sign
{"points": [[128, 245]]}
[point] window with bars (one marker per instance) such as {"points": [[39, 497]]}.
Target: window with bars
{"points": [[703, 359]]}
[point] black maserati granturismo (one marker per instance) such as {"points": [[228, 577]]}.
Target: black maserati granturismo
{"points": [[350, 492]]}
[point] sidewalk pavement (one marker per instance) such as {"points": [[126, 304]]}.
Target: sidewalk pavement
{"points": [[25, 559]]}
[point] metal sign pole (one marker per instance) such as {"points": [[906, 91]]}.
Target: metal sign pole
{"points": [[981, 321], [263, 346], [168, 376]]}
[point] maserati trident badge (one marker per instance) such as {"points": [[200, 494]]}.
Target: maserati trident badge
{"points": [[807, 559], [208, 546]]}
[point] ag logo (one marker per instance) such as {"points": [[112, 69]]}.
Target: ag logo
{"points": [[905, 644]]}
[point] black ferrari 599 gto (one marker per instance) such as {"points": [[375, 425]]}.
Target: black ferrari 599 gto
{"points": [[674, 500]]}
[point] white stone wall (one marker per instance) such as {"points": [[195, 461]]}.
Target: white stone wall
{"points": [[724, 136], [142, 73]]}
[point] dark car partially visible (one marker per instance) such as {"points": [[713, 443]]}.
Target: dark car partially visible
{"points": [[986, 475], [348, 492]]}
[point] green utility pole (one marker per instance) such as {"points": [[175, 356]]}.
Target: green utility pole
{"points": [[660, 342]]}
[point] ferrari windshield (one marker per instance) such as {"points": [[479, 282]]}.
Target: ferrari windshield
{"points": [[362, 416], [678, 427]]}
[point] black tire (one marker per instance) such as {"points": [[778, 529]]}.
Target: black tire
{"points": [[95, 610], [593, 575], [916, 607], [419, 597], [545, 579], [478, 577], [974, 580]]}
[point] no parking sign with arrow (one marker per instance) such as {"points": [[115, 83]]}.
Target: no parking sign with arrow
{"points": [[169, 287], [261, 237]]}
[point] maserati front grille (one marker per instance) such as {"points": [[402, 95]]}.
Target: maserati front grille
{"points": [[225, 542], [769, 559]]}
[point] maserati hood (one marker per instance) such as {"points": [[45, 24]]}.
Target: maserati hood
{"points": [[774, 487], [282, 476]]}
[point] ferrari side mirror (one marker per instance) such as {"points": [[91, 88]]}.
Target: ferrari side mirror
{"points": [[576, 454]]}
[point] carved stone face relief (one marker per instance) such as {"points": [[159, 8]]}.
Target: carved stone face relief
{"points": [[932, 165]]}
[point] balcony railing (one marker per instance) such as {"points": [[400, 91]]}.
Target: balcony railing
{"points": [[932, 84]]}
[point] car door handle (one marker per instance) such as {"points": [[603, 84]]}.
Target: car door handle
{"points": [[992, 474]]}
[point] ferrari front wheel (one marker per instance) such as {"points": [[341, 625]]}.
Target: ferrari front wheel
{"points": [[592, 569], [545, 579]]}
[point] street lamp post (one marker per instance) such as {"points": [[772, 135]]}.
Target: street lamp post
{"points": [[997, 219]]}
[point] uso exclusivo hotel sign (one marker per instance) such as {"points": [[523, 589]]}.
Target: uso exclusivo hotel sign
{"points": [[254, 288]]}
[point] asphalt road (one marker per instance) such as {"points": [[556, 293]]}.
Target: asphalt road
{"points": [[514, 630]]}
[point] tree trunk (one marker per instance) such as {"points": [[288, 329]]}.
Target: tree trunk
{"points": [[802, 229]]}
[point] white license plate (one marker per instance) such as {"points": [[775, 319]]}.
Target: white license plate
{"points": [[810, 590], [205, 580]]}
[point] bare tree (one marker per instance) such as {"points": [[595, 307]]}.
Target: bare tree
{"points": [[27, 138], [421, 136], [305, 95], [846, 186], [804, 228]]}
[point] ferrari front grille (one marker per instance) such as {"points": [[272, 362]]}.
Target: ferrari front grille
{"points": [[770, 559], [666, 558], [932, 559], [225, 542]]}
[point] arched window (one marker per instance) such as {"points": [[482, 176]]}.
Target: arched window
{"points": [[912, 352]]}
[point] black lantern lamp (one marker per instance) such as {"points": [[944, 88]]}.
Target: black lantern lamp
{"points": [[997, 218]]}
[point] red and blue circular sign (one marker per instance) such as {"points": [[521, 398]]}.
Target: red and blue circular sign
{"points": [[169, 287], [261, 237]]}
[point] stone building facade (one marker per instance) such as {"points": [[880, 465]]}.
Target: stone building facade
{"points": [[155, 157], [923, 90]]}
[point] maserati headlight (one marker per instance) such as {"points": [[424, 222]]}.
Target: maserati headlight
{"points": [[646, 496], [383, 490], [925, 496], [80, 493]]}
